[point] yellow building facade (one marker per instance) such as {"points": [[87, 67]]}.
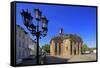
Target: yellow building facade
{"points": [[65, 45]]}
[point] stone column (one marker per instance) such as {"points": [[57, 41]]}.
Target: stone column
{"points": [[52, 48], [77, 51], [80, 45], [57, 48], [61, 53]]}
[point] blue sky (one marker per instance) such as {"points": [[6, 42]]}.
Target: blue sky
{"points": [[73, 19]]}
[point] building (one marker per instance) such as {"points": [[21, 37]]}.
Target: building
{"points": [[32, 47], [65, 45], [25, 46]]}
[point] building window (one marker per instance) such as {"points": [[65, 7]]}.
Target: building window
{"points": [[23, 37], [23, 45], [19, 44]]}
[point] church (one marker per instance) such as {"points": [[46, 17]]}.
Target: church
{"points": [[65, 44]]}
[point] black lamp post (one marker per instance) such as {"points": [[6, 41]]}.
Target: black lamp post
{"points": [[34, 28], [44, 25]]}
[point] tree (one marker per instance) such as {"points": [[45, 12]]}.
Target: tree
{"points": [[84, 48], [46, 48]]}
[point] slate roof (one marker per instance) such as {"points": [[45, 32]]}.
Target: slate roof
{"points": [[72, 37]]}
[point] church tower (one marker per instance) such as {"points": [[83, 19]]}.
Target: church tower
{"points": [[61, 32]]}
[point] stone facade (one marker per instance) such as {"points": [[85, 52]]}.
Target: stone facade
{"points": [[32, 47], [65, 45], [25, 46]]}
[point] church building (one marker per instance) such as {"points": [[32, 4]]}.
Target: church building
{"points": [[65, 44]]}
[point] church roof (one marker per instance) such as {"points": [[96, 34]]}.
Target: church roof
{"points": [[72, 37], [57, 39]]}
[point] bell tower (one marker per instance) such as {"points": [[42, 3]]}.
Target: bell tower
{"points": [[61, 32]]}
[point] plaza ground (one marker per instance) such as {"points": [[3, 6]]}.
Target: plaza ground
{"points": [[75, 58], [85, 57], [58, 59]]}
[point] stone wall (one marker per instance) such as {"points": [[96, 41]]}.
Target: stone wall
{"points": [[67, 48], [52, 48]]}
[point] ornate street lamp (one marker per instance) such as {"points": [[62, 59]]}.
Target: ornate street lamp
{"points": [[34, 29], [37, 14], [44, 25], [27, 18]]}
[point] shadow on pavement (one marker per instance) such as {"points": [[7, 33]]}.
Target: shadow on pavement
{"points": [[53, 59]]}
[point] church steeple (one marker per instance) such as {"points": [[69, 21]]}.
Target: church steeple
{"points": [[61, 32]]}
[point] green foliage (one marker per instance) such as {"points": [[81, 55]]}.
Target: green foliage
{"points": [[85, 48], [46, 48]]}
